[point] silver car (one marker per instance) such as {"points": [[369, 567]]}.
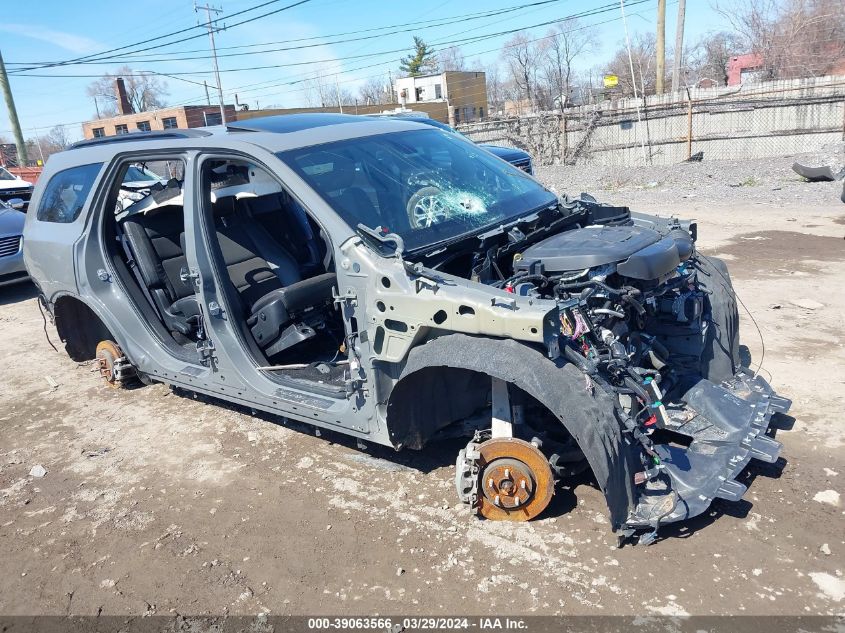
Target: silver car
{"points": [[395, 283], [12, 269]]}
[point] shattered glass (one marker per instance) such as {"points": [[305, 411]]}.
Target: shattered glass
{"points": [[426, 185]]}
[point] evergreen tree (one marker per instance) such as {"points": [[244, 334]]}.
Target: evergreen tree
{"points": [[422, 60]]}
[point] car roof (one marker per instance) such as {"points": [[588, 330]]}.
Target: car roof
{"points": [[273, 133]]}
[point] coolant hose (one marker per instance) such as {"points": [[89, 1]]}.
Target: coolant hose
{"points": [[634, 304], [580, 285]]}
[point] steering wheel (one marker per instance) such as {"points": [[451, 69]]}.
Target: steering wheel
{"points": [[426, 207]]}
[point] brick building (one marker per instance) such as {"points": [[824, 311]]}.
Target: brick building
{"points": [[128, 120], [747, 68], [163, 119]]}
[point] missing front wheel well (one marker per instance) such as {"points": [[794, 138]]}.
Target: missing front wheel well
{"points": [[79, 328]]}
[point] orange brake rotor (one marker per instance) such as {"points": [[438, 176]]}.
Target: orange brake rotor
{"points": [[515, 480], [107, 353]]}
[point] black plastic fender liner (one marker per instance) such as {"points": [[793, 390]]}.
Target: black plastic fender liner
{"points": [[720, 355], [588, 414]]}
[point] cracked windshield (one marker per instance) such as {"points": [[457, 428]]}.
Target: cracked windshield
{"points": [[426, 185]]}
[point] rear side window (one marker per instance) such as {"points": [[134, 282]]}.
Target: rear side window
{"points": [[66, 194]]}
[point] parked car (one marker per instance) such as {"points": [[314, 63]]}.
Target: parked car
{"points": [[14, 190], [399, 285], [516, 157], [12, 269]]}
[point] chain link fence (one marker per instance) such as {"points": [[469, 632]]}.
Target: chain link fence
{"points": [[774, 119]]}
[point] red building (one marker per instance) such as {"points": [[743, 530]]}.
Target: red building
{"points": [[744, 68]]}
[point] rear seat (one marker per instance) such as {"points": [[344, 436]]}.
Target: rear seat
{"points": [[155, 241], [275, 298]]}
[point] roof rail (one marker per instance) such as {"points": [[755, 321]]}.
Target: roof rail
{"points": [[154, 135]]}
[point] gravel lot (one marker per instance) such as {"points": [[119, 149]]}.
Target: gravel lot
{"points": [[154, 502]]}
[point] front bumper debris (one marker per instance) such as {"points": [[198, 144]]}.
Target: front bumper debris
{"points": [[727, 424]]}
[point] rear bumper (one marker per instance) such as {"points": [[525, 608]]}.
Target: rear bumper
{"points": [[727, 424]]}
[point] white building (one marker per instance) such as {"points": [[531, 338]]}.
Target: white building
{"points": [[465, 93]]}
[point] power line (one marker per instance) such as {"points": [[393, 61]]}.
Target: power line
{"points": [[179, 32], [467, 40], [415, 27], [309, 76], [211, 30]]}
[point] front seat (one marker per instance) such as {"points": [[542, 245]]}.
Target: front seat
{"points": [[281, 216], [280, 307], [343, 192]]}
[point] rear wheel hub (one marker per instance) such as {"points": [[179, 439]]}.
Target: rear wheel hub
{"points": [[108, 353]]}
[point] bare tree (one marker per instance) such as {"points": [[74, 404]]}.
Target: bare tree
{"points": [[709, 58], [451, 58], [643, 55], [145, 91], [324, 91], [522, 56], [48, 144], [809, 38], [58, 137], [792, 38], [566, 42], [376, 91], [495, 87]]}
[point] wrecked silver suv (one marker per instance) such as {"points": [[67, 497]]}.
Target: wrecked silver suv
{"points": [[396, 283]]}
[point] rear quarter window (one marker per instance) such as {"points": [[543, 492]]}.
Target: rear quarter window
{"points": [[66, 193]]}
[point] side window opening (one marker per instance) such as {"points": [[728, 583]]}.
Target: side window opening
{"points": [[149, 233], [275, 259], [66, 194]]}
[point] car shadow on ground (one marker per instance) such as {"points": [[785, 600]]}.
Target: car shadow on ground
{"points": [[434, 455], [442, 453], [17, 293]]}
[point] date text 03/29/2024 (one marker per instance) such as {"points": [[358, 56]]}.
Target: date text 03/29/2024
{"points": [[415, 623]]}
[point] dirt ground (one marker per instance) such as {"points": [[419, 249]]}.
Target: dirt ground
{"points": [[155, 502]]}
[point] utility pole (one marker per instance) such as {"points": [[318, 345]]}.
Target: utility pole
{"points": [[207, 97], [679, 46], [661, 46], [320, 89], [40, 150], [337, 92], [211, 29], [633, 80], [13, 114]]}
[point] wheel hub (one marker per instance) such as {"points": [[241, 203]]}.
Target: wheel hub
{"points": [[507, 483], [107, 355], [515, 480]]}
